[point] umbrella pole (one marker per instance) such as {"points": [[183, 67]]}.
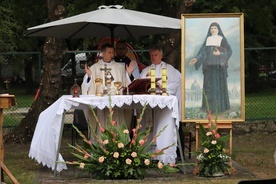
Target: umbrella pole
{"points": [[112, 35]]}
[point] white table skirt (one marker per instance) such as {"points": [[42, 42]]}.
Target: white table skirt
{"points": [[44, 145]]}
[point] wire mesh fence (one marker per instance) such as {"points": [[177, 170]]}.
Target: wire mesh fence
{"points": [[21, 73]]}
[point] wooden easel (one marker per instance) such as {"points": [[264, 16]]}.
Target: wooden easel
{"points": [[6, 101]]}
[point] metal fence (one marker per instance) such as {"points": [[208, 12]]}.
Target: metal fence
{"points": [[260, 81]]}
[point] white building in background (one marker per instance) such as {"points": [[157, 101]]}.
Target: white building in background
{"points": [[194, 94]]}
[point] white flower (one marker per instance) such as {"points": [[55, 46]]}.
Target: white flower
{"points": [[200, 157], [214, 142], [208, 133], [105, 141], [126, 131], [206, 150]]}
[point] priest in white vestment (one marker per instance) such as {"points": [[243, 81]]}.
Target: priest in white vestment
{"points": [[109, 72], [173, 88], [173, 75]]}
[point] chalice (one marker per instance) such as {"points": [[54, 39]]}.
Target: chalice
{"points": [[117, 85], [98, 82]]}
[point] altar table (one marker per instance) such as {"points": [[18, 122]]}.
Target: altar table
{"points": [[48, 132]]}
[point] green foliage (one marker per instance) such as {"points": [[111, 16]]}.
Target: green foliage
{"points": [[8, 27], [212, 159], [113, 155]]}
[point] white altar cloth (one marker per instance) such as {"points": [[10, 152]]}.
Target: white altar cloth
{"points": [[165, 113], [44, 145]]}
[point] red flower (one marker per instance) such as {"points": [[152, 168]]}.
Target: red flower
{"points": [[113, 123], [217, 136]]}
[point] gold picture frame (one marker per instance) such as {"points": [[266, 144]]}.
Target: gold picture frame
{"points": [[212, 67]]}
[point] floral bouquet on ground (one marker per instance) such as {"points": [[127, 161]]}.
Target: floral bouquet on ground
{"points": [[113, 155], [212, 159]]}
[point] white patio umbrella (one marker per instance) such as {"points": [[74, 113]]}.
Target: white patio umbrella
{"points": [[108, 21]]}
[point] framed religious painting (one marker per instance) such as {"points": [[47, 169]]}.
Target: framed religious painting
{"points": [[212, 67]]}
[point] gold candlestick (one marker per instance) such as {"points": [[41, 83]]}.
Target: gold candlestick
{"points": [[152, 80], [98, 82], [164, 79]]}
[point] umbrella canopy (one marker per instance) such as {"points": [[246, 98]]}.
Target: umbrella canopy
{"points": [[108, 21]]}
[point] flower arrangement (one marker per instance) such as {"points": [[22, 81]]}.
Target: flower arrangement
{"points": [[212, 158], [113, 155]]}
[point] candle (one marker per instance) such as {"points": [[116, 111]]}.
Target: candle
{"points": [[164, 85], [152, 78], [103, 72], [164, 75], [164, 72]]}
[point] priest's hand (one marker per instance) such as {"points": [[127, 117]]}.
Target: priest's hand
{"points": [[87, 70], [130, 67]]}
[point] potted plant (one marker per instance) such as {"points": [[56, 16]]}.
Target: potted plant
{"points": [[113, 155], [212, 159]]}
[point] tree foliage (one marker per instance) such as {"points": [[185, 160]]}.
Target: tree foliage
{"points": [[17, 16], [8, 30]]}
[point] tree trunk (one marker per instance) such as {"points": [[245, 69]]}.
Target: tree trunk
{"points": [[51, 82]]}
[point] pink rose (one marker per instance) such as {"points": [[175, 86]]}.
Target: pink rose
{"points": [[141, 142], [128, 161], [101, 159], [86, 156], [134, 154], [82, 165], [160, 165], [217, 136], [102, 129], [147, 162], [115, 154], [120, 145], [113, 123], [105, 142]]}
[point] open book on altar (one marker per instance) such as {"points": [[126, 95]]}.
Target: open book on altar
{"points": [[139, 86]]}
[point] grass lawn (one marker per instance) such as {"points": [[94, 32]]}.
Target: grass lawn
{"points": [[260, 106], [255, 159]]}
